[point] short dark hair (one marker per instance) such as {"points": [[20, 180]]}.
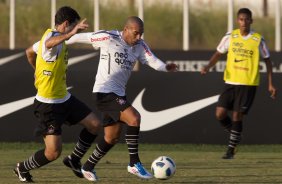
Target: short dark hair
{"points": [[66, 13], [245, 11], [134, 19]]}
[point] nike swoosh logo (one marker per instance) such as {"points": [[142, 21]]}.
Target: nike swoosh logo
{"points": [[15, 106], [10, 58], [154, 120]]}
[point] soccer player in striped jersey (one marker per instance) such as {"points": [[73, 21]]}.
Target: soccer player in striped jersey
{"points": [[53, 104], [118, 55], [244, 47]]}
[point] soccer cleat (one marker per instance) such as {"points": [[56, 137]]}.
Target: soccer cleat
{"points": [[74, 166], [23, 176], [229, 154], [90, 175], [139, 171]]}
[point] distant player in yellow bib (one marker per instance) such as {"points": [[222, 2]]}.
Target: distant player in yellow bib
{"points": [[241, 76]]}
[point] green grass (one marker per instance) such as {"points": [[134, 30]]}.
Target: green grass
{"points": [[195, 164]]}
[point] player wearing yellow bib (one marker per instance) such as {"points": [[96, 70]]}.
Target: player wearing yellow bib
{"points": [[241, 76], [53, 104]]}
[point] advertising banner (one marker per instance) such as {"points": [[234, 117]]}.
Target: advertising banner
{"points": [[175, 107]]}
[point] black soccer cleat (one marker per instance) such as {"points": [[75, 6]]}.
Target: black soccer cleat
{"points": [[23, 176], [229, 154], [74, 166]]}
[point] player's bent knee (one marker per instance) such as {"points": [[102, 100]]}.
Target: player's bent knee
{"points": [[112, 140], [94, 127], [92, 123], [52, 155], [135, 121], [220, 116]]}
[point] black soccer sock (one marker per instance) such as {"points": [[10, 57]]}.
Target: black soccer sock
{"points": [[131, 138], [84, 142], [226, 123], [35, 161], [99, 152], [235, 134]]}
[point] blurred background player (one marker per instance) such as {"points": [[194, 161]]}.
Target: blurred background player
{"points": [[118, 55], [241, 75], [53, 104]]}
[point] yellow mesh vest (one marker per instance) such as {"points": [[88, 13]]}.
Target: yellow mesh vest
{"points": [[243, 59], [50, 76]]}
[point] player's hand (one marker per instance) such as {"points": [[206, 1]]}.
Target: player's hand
{"points": [[82, 25], [272, 91], [171, 67], [205, 70]]}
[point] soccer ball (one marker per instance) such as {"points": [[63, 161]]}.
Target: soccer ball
{"points": [[163, 168]]}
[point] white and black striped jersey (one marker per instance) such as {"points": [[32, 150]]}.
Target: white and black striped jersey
{"points": [[117, 59]]}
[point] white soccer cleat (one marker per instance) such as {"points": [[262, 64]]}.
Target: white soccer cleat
{"points": [[139, 171], [89, 175], [23, 176]]}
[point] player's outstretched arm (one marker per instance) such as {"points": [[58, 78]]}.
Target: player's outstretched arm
{"points": [[271, 87], [31, 56], [56, 40], [212, 62]]}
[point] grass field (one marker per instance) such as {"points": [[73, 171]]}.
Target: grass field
{"points": [[195, 164]]}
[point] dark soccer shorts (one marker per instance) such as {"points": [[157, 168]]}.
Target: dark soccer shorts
{"points": [[52, 116], [237, 98], [110, 105]]}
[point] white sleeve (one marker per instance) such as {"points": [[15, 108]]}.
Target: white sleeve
{"points": [[35, 47], [224, 44], [79, 38], [96, 39], [147, 57], [264, 51], [52, 53]]}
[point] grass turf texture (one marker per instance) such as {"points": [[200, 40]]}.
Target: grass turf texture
{"points": [[195, 164]]}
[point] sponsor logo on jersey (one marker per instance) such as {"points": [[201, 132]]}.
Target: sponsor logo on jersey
{"points": [[237, 48], [48, 73], [255, 38], [238, 60], [235, 36], [241, 68], [122, 59], [100, 39]]}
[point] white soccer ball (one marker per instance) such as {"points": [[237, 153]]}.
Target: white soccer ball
{"points": [[163, 168]]}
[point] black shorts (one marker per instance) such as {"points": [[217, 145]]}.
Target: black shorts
{"points": [[237, 98], [110, 105], [52, 116]]}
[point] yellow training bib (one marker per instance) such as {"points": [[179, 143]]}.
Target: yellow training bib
{"points": [[50, 76], [242, 65]]}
